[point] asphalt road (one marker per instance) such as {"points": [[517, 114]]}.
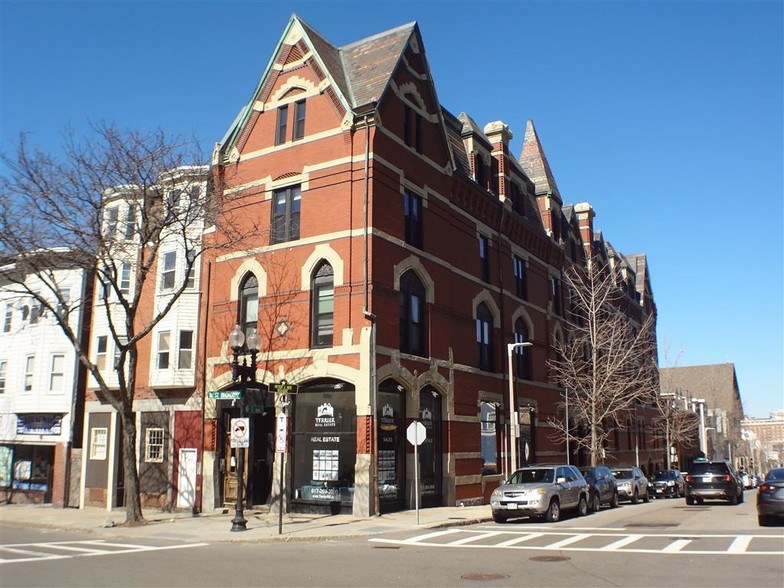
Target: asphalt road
{"points": [[664, 543]]}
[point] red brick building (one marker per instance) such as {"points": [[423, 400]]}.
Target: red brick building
{"points": [[398, 249]]}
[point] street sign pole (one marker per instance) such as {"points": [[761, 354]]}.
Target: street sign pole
{"points": [[416, 478], [282, 449], [416, 434]]}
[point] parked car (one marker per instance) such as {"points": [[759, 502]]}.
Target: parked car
{"points": [[666, 483], [604, 488], [632, 484], [770, 497], [748, 480], [714, 480], [541, 492]]}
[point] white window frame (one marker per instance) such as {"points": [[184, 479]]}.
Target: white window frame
{"points": [[3, 369], [29, 373], [125, 278], [100, 356], [112, 216], [167, 271], [7, 320], [99, 443], [163, 336], [57, 374], [187, 350], [154, 437]]}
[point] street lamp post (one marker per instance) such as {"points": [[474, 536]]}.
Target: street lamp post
{"points": [[242, 373], [510, 347]]}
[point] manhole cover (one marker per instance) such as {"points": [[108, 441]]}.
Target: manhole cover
{"points": [[548, 558], [483, 577]]}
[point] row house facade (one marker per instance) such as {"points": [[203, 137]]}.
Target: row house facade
{"points": [[405, 248], [41, 382], [167, 405]]}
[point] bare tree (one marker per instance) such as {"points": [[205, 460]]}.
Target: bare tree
{"points": [[607, 361], [109, 203]]}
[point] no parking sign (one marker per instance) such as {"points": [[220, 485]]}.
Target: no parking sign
{"points": [[240, 432]]}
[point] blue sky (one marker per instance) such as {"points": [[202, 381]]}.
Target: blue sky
{"points": [[666, 116]]}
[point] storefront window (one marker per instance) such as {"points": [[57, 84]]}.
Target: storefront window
{"points": [[324, 443], [391, 447]]}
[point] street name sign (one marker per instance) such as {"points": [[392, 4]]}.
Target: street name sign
{"points": [[225, 395]]}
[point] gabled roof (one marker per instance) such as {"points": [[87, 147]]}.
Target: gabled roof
{"points": [[360, 71], [535, 163]]}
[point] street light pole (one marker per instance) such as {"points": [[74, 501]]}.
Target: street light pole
{"points": [[243, 373], [510, 347]]}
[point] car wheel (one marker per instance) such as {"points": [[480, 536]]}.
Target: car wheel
{"points": [[763, 520], [635, 498], [741, 498], [582, 506], [614, 503], [595, 503], [690, 500], [733, 499], [647, 497], [700, 500], [553, 513], [499, 518]]}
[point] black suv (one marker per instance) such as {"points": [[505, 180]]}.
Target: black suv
{"points": [[604, 489], [713, 479], [666, 483]]}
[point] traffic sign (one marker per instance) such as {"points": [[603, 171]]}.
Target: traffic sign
{"points": [[225, 395], [240, 432], [281, 436], [416, 433]]}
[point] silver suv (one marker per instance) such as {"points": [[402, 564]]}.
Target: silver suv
{"points": [[540, 491]]}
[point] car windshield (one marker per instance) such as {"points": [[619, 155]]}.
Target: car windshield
{"points": [[664, 476], [773, 475], [622, 474], [532, 476]]}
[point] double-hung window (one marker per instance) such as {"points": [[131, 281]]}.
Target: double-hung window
{"points": [[521, 286], [522, 354], [57, 373], [281, 125], [185, 357], [285, 214], [100, 352], [249, 305], [555, 292], [299, 120], [163, 349], [3, 368], [29, 373], [111, 221], [9, 313], [154, 438], [125, 278], [169, 270], [130, 222], [484, 337], [412, 210], [484, 257], [323, 304]]}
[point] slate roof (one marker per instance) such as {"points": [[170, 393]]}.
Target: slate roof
{"points": [[535, 163], [716, 383]]}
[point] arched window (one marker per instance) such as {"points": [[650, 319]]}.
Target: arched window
{"points": [[412, 315], [249, 305], [484, 337], [522, 354], [322, 305]]}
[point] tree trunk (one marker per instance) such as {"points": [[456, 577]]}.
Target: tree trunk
{"points": [[133, 505]]}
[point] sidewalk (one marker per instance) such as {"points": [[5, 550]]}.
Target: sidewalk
{"points": [[216, 526]]}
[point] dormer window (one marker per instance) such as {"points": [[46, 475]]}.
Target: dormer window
{"points": [[480, 170]]}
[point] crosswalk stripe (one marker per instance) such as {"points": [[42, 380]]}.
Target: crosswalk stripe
{"points": [[621, 543], [567, 541], [740, 544], [676, 545], [516, 540], [473, 538], [419, 538]]}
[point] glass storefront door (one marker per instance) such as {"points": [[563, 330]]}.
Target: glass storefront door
{"points": [[430, 451], [391, 446]]}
